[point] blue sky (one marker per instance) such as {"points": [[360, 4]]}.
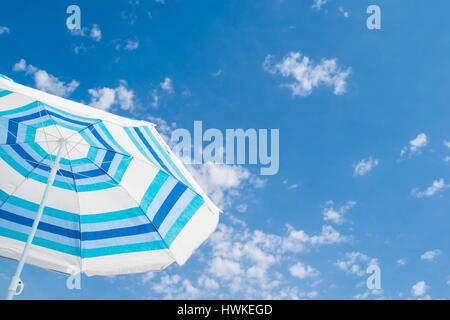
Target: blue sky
{"points": [[364, 135]]}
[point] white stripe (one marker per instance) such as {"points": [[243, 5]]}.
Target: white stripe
{"points": [[40, 256], [136, 262], [196, 231], [108, 200], [138, 178], [13, 101]]}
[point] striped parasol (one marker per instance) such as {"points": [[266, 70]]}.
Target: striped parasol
{"points": [[83, 190]]}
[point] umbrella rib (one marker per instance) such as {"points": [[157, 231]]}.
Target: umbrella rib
{"points": [[92, 124], [42, 122], [100, 148], [78, 203], [24, 124], [26, 178]]}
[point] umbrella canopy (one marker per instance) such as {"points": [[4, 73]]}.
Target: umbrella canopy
{"points": [[121, 201]]}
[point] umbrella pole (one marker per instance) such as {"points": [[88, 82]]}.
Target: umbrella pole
{"points": [[15, 281]]}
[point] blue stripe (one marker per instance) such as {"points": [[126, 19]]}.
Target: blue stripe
{"points": [[4, 93], [12, 132], [71, 120], [183, 219], [174, 169], [42, 225], [109, 156], [122, 232], [149, 147], [168, 204], [40, 242], [137, 247], [95, 133]]}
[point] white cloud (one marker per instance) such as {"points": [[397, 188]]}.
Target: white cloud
{"points": [[318, 4], [146, 277], [247, 263], [415, 145], [430, 255], [45, 81], [105, 98], [437, 186], [365, 166], [20, 66], [336, 215], [308, 75], [94, 33], [208, 283], [155, 97], [217, 73], [166, 89], [4, 30], [102, 98], [225, 268], [173, 287], [243, 259], [166, 85], [292, 186], [300, 241], [125, 96], [344, 12], [163, 127], [447, 144], [365, 295], [402, 262], [129, 44], [302, 271], [419, 289], [223, 183], [356, 263]]}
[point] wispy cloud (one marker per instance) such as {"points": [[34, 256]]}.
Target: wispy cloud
{"points": [[447, 144], [128, 44], [301, 271], [166, 85], [336, 215], [402, 262], [364, 166], [224, 183], [217, 73], [45, 81], [308, 75], [94, 32], [430, 255], [416, 145], [419, 289], [165, 88], [437, 186], [104, 98], [344, 12], [318, 4], [356, 263], [4, 30]]}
